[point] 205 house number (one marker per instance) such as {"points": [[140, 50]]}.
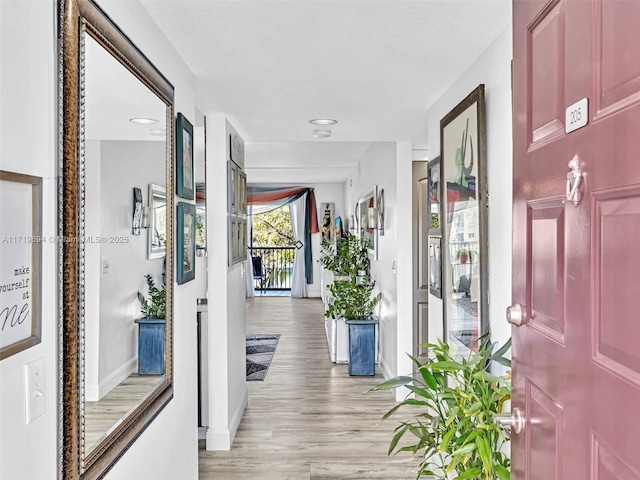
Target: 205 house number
{"points": [[577, 115]]}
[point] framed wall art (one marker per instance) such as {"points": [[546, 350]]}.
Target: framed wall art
{"points": [[236, 149], [20, 262], [185, 181], [186, 258], [232, 187], [464, 221]]}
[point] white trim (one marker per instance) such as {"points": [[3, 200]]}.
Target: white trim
{"points": [[221, 439], [399, 393], [94, 392]]}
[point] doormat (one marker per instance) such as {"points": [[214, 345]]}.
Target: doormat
{"points": [[260, 350]]}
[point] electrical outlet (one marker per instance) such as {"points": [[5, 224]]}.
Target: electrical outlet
{"points": [[35, 392]]}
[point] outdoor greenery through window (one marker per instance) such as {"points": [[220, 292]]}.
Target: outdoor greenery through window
{"points": [[272, 249]]}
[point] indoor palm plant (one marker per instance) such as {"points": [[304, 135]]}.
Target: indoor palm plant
{"points": [[155, 306], [454, 403]]}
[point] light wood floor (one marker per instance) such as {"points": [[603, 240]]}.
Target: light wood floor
{"points": [[309, 419], [101, 416]]}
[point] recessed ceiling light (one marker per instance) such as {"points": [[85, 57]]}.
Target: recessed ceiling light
{"points": [[160, 132], [143, 121], [322, 133], [323, 121]]}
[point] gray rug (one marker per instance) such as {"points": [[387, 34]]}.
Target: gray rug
{"points": [[260, 350]]}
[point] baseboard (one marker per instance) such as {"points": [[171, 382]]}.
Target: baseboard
{"points": [[94, 392], [221, 439], [384, 368]]}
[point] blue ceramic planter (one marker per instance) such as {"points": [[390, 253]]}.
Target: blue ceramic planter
{"points": [[362, 346], [150, 346]]}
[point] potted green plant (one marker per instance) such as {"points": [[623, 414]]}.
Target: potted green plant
{"points": [[151, 329], [454, 405], [352, 300], [156, 305]]}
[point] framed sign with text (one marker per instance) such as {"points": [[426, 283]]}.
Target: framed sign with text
{"points": [[20, 262]]}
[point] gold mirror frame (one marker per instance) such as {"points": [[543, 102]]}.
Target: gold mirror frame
{"points": [[75, 18]]}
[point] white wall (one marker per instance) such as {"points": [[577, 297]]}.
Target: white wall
{"points": [[28, 145], [28, 122], [378, 166], [493, 68], [228, 394]]}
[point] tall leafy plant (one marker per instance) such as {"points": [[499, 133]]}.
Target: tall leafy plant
{"points": [[156, 305], [352, 300], [352, 288], [350, 258], [454, 402]]}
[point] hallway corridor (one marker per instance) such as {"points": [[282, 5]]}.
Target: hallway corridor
{"points": [[308, 420]]}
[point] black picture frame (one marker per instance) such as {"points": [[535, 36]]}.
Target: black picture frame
{"points": [[185, 175], [186, 237]]}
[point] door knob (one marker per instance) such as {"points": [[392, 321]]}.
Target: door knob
{"points": [[511, 422], [516, 315]]}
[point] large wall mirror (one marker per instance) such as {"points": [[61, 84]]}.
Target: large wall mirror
{"points": [[116, 138], [464, 194]]}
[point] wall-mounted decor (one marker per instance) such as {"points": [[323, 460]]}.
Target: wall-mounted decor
{"points": [[89, 43], [364, 228], [232, 187], [435, 266], [464, 221], [237, 239], [241, 191], [185, 181], [157, 223], [20, 262], [186, 249], [327, 224], [137, 211], [433, 196], [380, 211], [236, 149]]}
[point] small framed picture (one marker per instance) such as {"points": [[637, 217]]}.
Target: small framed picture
{"points": [[236, 149], [20, 261], [186, 260], [232, 187], [185, 184]]}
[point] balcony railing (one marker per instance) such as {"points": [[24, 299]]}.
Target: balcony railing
{"points": [[272, 267]]}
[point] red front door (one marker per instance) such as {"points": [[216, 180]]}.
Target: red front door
{"points": [[576, 262]]}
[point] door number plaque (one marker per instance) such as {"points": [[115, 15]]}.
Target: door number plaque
{"points": [[577, 115]]}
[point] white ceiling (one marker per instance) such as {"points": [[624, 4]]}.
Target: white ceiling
{"points": [[374, 65], [113, 95]]}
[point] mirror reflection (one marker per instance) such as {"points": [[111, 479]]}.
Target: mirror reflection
{"points": [[364, 228], [125, 149], [157, 223]]}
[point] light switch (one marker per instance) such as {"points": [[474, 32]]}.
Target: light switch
{"points": [[35, 394], [105, 265]]}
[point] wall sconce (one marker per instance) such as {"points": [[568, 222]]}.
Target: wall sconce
{"points": [[372, 217], [144, 223]]}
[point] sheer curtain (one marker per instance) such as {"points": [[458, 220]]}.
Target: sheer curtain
{"points": [[298, 280]]}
